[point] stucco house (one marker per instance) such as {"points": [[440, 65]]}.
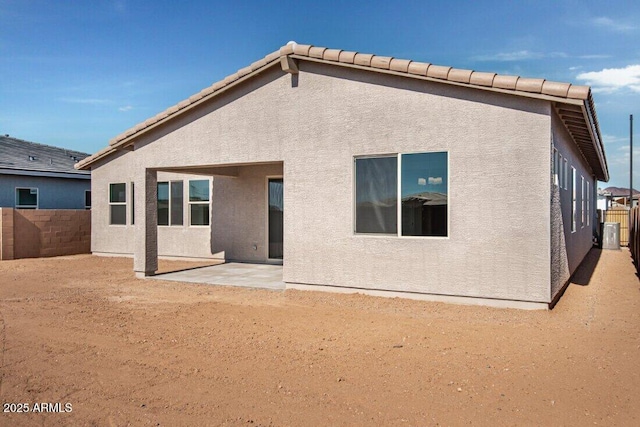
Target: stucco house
{"points": [[38, 176], [363, 172]]}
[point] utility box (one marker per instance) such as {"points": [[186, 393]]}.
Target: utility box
{"points": [[611, 235]]}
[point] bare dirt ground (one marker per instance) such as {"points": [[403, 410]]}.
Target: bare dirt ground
{"points": [[122, 351]]}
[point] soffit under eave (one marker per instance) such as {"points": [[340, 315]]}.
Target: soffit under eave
{"points": [[585, 134]]}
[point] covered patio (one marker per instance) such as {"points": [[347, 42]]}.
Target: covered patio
{"points": [[242, 223], [247, 275]]}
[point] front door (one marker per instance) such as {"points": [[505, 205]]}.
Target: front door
{"points": [[275, 219]]}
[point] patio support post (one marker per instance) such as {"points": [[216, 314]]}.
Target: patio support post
{"points": [[145, 256]]}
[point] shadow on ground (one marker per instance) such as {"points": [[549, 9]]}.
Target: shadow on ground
{"points": [[583, 274]]}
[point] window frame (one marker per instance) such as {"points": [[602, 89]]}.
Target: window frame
{"points": [[398, 233], [588, 201], [574, 200], [582, 202], [353, 198], [117, 204], [19, 206], [170, 202], [555, 168], [87, 207], [189, 203], [560, 171], [566, 174]]}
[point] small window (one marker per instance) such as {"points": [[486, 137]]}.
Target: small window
{"points": [[133, 203], [199, 202], [583, 202], [588, 205], [555, 168], [376, 195], [118, 204], [170, 203], [566, 174], [87, 199], [26, 198], [177, 202], [574, 195], [560, 171], [163, 203]]}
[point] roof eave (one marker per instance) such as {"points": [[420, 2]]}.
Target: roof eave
{"points": [[594, 129], [565, 93], [443, 81]]}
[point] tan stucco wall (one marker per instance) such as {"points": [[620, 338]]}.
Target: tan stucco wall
{"points": [[239, 215], [179, 241], [498, 244], [568, 250]]}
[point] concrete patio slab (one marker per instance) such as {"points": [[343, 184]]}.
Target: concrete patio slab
{"points": [[264, 276]]}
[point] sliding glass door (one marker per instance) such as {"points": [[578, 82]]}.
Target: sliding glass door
{"points": [[275, 218]]}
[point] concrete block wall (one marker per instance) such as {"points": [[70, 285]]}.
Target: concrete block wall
{"points": [[44, 233], [6, 233]]}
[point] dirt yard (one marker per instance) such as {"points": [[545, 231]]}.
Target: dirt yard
{"points": [[81, 330]]}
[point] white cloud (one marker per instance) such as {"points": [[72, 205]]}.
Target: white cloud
{"points": [[610, 24], [435, 181], [613, 139], [126, 108], [422, 181], [594, 56], [520, 55], [612, 79]]}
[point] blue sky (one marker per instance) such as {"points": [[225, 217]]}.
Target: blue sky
{"points": [[75, 73]]}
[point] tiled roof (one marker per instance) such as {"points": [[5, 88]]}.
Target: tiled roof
{"points": [[565, 93], [19, 155]]}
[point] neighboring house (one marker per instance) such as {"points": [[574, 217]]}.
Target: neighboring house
{"points": [[38, 176], [363, 172], [616, 197]]}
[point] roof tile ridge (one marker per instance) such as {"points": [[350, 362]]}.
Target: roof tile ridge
{"points": [[505, 81], [407, 66], [482, 78], [459, 75], [439, 71], [332, 55], [579, 92]]}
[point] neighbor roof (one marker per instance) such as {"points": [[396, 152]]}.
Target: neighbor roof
{"points": [[19, 157], [573, 103]]}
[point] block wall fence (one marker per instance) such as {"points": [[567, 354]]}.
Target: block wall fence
{"points": [[44, 232]]}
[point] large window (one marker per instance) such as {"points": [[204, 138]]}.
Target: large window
{"points": [[376, 195], [27, 198], [199, 202], [170, 202], [118, 204], [422, 194]]}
